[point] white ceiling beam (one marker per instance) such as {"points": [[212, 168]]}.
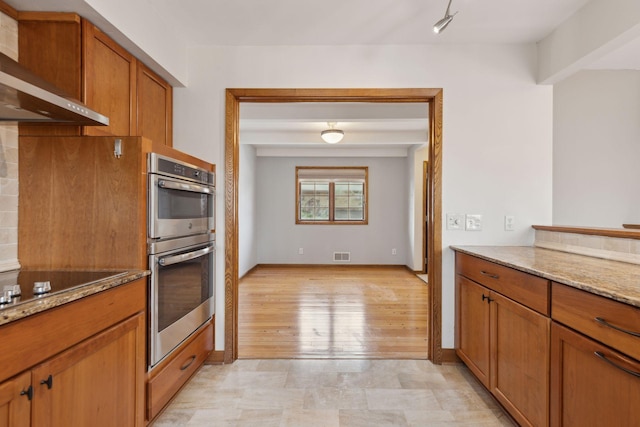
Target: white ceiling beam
{"points": [[597, 29]]}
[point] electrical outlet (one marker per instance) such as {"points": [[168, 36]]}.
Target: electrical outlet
{"points": [[509, 222], [455, 221], [300, 251], [394, 251], [473, 222]]}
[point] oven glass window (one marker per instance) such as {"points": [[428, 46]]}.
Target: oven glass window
{"points": [[182, 287], [177, 204]]}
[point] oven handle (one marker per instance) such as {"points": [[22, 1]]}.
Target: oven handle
{"points": [[175, 259], [195, 188]]}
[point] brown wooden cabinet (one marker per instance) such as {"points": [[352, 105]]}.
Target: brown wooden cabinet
{"points": [[590, 386], [169, 377], [505, 343], [155, 113], [98, 377], [520, 360], [15, 401], [88, 65], [594, 384], [472, 333], [109, 82]]}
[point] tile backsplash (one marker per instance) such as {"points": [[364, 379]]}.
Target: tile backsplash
{"points": [[8, 163], [613, 248]]}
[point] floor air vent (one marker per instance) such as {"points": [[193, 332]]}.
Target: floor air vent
{"points": [[341, 256]]}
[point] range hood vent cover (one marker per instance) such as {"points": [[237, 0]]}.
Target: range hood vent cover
{"points": [[26, 98]]}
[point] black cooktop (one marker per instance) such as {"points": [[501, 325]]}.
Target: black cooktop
{"points": [[60, 280]]}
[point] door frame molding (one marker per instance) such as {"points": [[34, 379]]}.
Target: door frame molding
{"points": [[432, 96]]}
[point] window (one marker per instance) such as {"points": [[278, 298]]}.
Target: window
{"points": [[331, 195]]}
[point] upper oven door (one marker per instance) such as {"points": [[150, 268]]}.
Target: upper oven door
{"points": [[179, 208]]}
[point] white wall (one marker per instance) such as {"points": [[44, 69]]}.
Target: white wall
{"points": [[279, 237], [596, 149], [496, 137], [247, 209]]}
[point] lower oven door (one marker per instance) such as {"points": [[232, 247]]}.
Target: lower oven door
{"points": [[182, 286]]}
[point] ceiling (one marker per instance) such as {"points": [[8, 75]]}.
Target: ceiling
{"points": [[341, 22], [346, 22]]}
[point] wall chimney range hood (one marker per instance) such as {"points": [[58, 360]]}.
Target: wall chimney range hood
{"points": [[27, 98]]}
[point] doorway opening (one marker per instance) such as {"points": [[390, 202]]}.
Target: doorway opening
{"points": [[232, 154]]}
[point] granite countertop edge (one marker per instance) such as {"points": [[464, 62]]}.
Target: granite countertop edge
{"points": [[11, 314], [616, 280]]}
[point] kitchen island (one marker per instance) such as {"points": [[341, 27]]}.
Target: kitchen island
{"points": [[554, 336]]}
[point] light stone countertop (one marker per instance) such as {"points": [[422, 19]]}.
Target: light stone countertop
{"points": [[32, 306], [619, 281]]}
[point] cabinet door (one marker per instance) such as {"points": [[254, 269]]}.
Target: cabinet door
{"points": [[472, 334], [50, 47], [592, 385], [96, 383], [15, 404], [520, 360], [109, 82], [155, 107]]}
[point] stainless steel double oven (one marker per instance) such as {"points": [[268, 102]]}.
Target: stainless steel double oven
{"points": [[181, 248]]}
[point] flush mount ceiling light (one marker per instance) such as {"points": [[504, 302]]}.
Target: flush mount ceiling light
{"points": [[442, 24], [332, 135]]}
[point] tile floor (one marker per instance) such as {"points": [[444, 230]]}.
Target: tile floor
{"points": [[326, 393]]}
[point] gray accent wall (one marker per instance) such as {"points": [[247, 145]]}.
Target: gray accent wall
{"points": [[279, 238]]}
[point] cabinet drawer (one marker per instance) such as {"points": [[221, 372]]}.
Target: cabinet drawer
{"points": [[528, 290], [611, 322], [175, 373]]}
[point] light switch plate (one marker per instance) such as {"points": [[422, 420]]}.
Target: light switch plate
{"points": [[455, 221], [473, 222]]}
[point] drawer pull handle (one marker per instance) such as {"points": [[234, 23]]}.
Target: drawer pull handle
{"points": [[615, 365], [493, 276], [617, 328], [189, 362]]}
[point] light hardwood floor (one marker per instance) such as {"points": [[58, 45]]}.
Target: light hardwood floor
{"points": [[332, 312]]}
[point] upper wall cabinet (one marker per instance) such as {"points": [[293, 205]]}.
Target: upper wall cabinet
{"points": [[155, 106], [109, 82], [80, 59]]}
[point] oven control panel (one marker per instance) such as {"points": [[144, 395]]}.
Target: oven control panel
{"points": [[165, 166]]}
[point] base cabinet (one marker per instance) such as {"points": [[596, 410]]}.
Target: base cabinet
{"points": [[15, 401], [171, 374], [593, 385], [79, 364], [91, 384], [473, 328], [503, 342], [520, 360]]}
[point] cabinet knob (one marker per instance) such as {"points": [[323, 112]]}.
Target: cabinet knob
{"points": [[486, 297], [28, 392], [48, 382]]}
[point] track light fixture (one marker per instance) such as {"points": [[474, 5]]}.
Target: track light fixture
{"points": [[332, 135], [442, 24]]}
